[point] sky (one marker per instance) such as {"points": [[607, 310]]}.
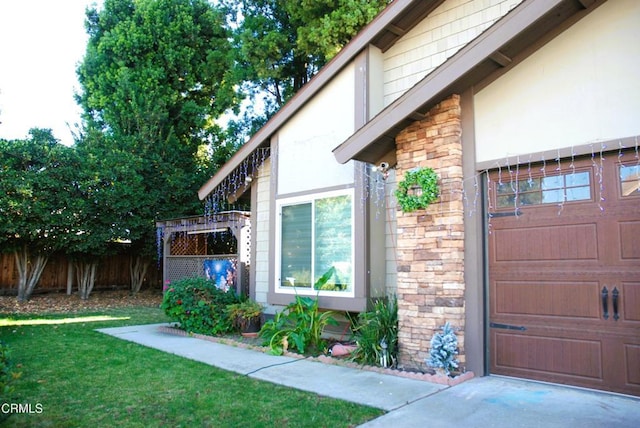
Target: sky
{"points": [[41, 44]]}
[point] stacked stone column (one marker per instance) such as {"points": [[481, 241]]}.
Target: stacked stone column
{"points": [[430, 244]]}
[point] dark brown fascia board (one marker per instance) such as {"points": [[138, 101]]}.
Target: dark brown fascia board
{"points": [[388, 17], [404, 22], [378, 135]]}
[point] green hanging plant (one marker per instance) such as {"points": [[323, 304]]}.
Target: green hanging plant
{"points": [[418, 189]]}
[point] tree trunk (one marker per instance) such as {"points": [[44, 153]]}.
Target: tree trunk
{"points": [[29, 271], [70, 274], [86, 275], [138, 269]]}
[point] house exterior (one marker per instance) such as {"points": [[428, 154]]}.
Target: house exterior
{"points": [[527, 111]]}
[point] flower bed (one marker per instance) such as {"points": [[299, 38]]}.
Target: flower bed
{"points": [[254, 344]]}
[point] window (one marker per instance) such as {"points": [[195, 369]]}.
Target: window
{"points": [[316, 241], [551, 189], [630, 180]]}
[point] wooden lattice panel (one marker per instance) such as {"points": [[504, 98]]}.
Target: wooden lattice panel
{"points": [[189, 245]]}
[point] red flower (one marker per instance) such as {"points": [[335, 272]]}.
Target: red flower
{"points": [[179, 302]]}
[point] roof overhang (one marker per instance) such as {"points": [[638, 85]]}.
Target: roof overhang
{"points": [[205, 224], [510, 40], [399, 17]]}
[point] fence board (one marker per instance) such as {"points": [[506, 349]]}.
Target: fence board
{"points": [[113, 272]]}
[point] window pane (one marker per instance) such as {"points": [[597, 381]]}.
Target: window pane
{"points": [[529, 198], [575, 186], [551, 196], [577, 179], [296, 246], [578, 194], [630, 180], [333, 242], [554, 182]]}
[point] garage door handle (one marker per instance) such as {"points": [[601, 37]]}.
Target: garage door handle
{"points": [[615, 294], [605, 304], [507, 326], [516, 213]]}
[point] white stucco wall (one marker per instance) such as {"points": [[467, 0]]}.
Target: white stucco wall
{"points": [[581, 88], [305, 143], [263, 183], [447, 29]]}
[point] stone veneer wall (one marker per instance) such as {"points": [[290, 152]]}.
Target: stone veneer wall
{"points": [[430, 245]]}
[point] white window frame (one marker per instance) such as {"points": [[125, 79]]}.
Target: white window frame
{"points": [[311, 198]]}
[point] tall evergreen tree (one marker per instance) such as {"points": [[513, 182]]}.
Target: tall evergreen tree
{"points": [[155, 77]]}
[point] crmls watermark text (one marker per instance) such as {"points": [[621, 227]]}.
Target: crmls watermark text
{"points": [[21, 408]]}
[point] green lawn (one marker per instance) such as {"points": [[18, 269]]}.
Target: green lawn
{"points": [[78, 377]]}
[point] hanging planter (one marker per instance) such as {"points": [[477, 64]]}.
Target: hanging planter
{"points": [[418, 189]]}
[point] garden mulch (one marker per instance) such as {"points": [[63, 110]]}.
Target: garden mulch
{"points": [[63, 303]]}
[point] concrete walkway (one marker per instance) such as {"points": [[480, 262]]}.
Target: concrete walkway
{"points": [[481, 402]]}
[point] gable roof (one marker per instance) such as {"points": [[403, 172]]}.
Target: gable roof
{"points": [[390, 25], [506, 43]]}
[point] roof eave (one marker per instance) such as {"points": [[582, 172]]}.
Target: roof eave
{"points": [[476, 61]]}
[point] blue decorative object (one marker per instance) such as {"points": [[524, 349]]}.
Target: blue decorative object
{"points": [[444, 348]]}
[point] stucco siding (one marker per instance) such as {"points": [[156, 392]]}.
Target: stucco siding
{"points": [[580, 89], [447, 29], [305, 143]]}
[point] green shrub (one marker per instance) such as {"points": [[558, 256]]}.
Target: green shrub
{"points": [[376, 334], [299, 326], [198, 305]]}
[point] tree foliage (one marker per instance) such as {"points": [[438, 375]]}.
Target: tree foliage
{"points": [[37, 174], [156, 75], [282, 44]]}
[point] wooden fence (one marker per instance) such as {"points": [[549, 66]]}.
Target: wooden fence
{"points": [[112, 273]]}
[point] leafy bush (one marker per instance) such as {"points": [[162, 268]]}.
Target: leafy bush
{"points": [[198, 305], [444, 348], [375, 332], [299, 325]]}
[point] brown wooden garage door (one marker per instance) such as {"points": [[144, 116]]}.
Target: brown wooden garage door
{"points": [[565, 272]]}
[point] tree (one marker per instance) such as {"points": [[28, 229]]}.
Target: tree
{"points": [[281, 44], [34, 205], [105, 221], [156, 75]]}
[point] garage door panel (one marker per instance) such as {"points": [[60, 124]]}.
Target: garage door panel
{"points": [[630, 302], [558, 243], [537, 355], [630, 240], [632, 363], [560, 300]]}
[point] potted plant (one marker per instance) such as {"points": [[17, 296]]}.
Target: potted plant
{"points": [[246, 316]]}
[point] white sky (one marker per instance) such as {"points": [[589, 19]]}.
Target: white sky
{"points": [[41, 44]]}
